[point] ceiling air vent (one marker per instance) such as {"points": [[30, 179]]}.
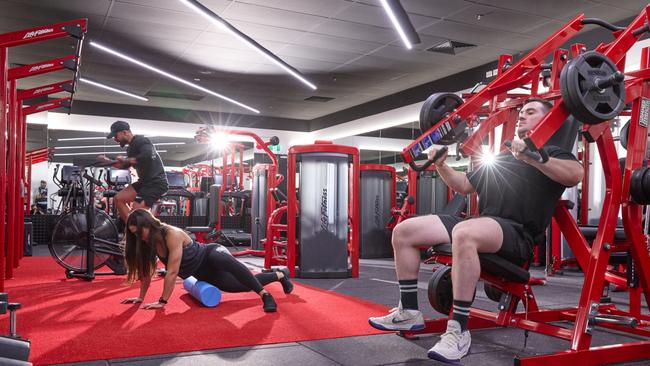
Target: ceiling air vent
{"points": [[315, 98], [174, 95], [451, 47]]}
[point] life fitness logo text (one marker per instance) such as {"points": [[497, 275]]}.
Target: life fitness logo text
{"points": [[38, 33], [42, 90], [40, 67], [44, 106]]}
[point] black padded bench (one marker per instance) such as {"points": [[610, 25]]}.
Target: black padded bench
{"points": [[493, 264]]}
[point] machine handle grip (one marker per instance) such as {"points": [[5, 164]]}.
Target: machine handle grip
{"points": [[539, 155], [91, 179], [428, 163]]}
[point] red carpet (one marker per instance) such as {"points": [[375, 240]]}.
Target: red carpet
{"points": [[73, 320]]}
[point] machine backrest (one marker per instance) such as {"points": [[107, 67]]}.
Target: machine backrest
{"points": [[565, 137]]}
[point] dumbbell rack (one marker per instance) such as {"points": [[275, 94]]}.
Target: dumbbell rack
{"points": [[12, 347], [13, 124]]}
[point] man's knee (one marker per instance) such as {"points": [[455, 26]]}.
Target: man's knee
{"points": [[402, 234], [463, 238]]}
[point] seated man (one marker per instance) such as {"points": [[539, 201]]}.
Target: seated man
{"points": [[517, 197]]}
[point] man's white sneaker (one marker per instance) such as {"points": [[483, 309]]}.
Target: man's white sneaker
{"points": [[399, 319], [453, 344]]}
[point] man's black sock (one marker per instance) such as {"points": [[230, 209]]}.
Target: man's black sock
{"points": [[408, 293], [461, 313]]}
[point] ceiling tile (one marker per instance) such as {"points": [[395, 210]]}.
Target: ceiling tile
{"points": [[217, 6], [356, 31], [162, 17], [96, 7], [316, 7], [496, 18], [337, 43], [635, 5], [270, 16], [429, 8], [375, 15], [466, 33], [316, 53], [137, 29], [558, 9]]}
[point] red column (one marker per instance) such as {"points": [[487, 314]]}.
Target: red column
{"points": [[21, 130], [11, 181], [3, 148]]}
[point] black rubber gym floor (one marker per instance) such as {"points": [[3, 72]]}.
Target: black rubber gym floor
{"points": [[377, 283]]}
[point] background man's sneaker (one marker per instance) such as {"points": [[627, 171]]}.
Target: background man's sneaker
{"points": [[453, 344], [399, 319]]}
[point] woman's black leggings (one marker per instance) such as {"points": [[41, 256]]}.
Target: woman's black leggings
{"points": [[222, 270]]}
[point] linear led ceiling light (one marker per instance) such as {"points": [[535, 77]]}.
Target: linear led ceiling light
{"points": [[97, 153], [173, 77], [224, 25], [116, 90], [112, 146], [401, 22], [82, 138]]}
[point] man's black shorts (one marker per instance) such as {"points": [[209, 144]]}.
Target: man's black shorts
{"points": [[517, 246], [149, 192]]}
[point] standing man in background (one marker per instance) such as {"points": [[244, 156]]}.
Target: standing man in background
{"points": [[142, 155], [41, 197]]}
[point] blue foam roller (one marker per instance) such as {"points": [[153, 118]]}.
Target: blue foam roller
{"points": [[204, 292]]}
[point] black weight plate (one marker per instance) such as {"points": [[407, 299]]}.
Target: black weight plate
{"points": [[624, 135], [436, 107], [586, 102], [492, 292], [645, 186], [440, 290], [636, 185]]}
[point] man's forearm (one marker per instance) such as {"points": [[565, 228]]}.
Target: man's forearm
{"points": [[566, 172], [456, 180]]}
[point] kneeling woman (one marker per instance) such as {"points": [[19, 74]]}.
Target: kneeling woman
{"points": [[148, 238]]}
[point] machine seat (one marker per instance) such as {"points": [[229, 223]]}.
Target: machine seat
{"points": [[589, 233], [492, 264]]}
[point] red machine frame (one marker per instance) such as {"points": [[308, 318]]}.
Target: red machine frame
{"points": [[273, 178], [593, 259], [12, 150]]}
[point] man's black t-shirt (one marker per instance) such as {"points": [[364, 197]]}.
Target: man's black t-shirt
{"points": [[149, 165], [514, 190]]}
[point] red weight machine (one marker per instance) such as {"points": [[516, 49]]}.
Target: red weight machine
{"points": [[230, 171], [622, 192], [12, 122], [284, 247]]}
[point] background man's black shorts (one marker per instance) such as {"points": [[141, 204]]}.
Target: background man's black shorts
{"points": [[149, 192], [517, 246]]}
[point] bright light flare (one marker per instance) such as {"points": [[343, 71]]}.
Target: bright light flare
{"points": [[487, 157], [219, 141]]}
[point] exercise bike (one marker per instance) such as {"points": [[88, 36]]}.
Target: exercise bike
{"points": [[86, 238]]}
